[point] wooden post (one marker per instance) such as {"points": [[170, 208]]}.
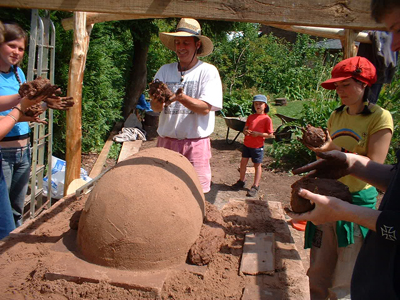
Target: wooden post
{"points": [[74, 114], [348, 43]]}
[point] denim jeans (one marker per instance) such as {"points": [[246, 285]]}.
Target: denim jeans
{"points": [[7, 223], [16, 165]]}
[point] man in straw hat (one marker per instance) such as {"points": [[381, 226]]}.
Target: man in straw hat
{"points": [[376, 274], [188, 119]]}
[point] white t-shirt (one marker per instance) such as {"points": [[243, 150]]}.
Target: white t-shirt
{"points": [[200, 82]]}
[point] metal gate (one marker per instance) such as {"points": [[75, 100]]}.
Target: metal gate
{"points": [[41, 64]]}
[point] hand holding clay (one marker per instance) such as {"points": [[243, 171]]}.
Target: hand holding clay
{"points": [[333, 164], [315, 138], [38, 89], [322, 186], [34, 110], [160, 92]]}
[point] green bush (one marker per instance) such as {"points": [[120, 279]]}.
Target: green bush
{"points": [[104, 83], [389, 98], [292, 153]]}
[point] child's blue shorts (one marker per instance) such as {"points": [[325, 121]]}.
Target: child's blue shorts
{"points": [[256, 154]]}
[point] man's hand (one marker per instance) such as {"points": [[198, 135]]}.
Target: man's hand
{"points": [[333, 165], [160, 92]]}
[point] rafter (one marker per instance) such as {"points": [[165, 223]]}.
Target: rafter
{"points": [[322, 13]]}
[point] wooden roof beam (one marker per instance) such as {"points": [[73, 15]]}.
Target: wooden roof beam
{"points": [[93, 18], [330, 33], [323, 13]]}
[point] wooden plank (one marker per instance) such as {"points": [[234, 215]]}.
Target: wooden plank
{"points": [[98, 166], [258, 254], [256, 292], [327, 13], [129, 148], [93, 18], [330, 33]]}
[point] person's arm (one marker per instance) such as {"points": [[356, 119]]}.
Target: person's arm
{"points": [[331, 209], [246, 130], [8, 121], [195, 105], [376, 174], [378, 145], [7, 102], [336, 164], [263, 134]]}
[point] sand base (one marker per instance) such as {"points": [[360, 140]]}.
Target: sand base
{"points": [[68, 265]]}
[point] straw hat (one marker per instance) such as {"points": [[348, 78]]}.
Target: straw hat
{"points": [[187, 27]]}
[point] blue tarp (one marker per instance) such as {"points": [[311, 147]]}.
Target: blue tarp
{"points": [[143, 104]]}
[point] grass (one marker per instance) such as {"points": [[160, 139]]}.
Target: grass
{"points": [[292, 109]]}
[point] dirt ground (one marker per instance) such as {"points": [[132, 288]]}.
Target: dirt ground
{"points": [[27, 255]]}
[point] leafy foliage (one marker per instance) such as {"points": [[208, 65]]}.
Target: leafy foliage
{"points": [[389, 98], [292, 153], [248, 63], [105, 79]]}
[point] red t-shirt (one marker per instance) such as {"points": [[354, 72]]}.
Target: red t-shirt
{"points": [[261, 123]]}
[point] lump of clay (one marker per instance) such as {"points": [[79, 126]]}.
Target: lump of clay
{"points": [[211, 238], [144, 214], [159, 91], [323, 186], [314, 136], [40, 87]]}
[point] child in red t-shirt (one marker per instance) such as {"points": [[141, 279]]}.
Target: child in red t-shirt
{"points": [[258, 127]]}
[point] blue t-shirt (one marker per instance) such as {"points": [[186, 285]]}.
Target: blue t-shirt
{"points": [[9, 85]]}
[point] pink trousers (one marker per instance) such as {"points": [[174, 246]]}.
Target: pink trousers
{"points": [[197, 151]]}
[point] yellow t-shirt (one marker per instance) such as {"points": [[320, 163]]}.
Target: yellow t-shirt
{"points": [[352, 132]]}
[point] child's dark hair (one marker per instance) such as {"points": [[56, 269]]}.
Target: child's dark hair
{"points": [[379, 8], [1, 32], [367, 93], [266, 109], [14, 32]]}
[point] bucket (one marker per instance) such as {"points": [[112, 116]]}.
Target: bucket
{"points": [[151, 118], [299, 225]]}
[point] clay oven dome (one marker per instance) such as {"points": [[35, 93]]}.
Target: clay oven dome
{"points": [[143, 214]]}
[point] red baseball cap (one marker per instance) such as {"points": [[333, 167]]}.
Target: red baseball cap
{"points": [[356, 67]]}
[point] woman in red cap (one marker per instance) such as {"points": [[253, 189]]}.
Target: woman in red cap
{"points": [[355, 127]]}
